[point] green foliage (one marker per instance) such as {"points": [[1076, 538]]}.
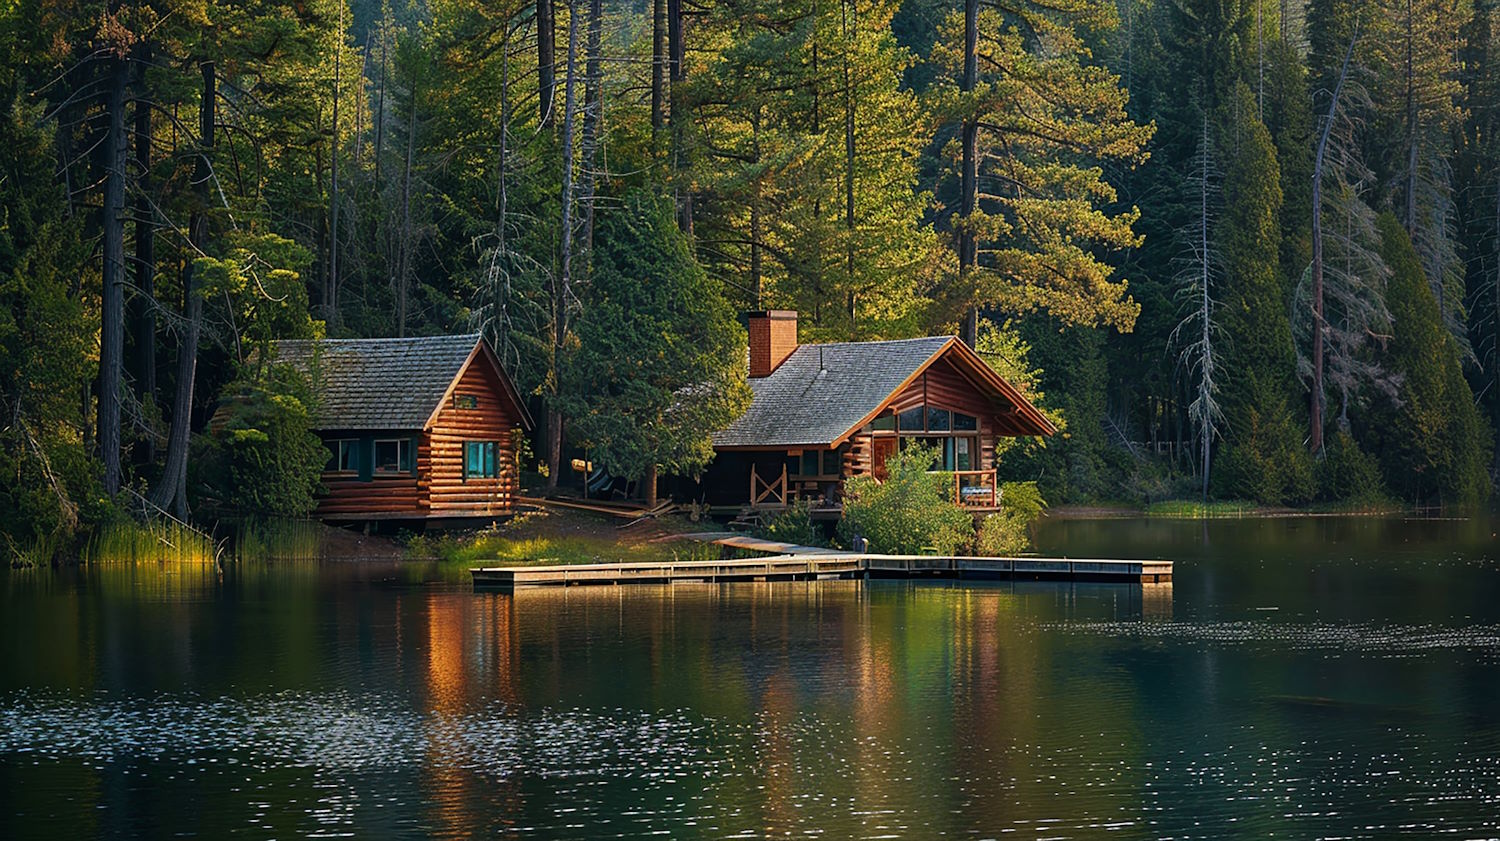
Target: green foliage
{"points": [[660, 359], [1432, 443], [1263, 459], [1011, 530], [262, 458], [126, 541], [910, 512], [794, 525], [1347, 473]]}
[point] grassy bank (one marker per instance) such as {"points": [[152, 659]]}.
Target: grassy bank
{"points": [[157, 542], [564, 537]]}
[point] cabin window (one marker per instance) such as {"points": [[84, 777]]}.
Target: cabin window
{"points": [[955, 453], [343, 455], [965, 423], [480, 460], [809, 465], [392, 456], [465, 401], [833, 463], [938, 420], [912, 419], [884, 423]]}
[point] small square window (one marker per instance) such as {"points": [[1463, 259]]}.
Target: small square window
{"points": [[465, 401], [937, 419], [348, 458]]}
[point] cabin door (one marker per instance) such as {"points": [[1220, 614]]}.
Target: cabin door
{"points": [[881, 449]]}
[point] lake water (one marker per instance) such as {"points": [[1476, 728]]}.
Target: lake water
{"points": [[1302, 678]]}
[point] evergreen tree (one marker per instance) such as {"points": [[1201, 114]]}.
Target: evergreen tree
{"points": [[659, 361], [1433, 446]]}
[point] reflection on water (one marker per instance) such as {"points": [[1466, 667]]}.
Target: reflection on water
{"points": [[1299, 679]]}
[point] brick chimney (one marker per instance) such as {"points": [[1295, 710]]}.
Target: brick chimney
{"points": [[773, 337]]}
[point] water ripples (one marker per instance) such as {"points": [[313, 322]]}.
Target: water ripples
{"points": [[1390, 640]]}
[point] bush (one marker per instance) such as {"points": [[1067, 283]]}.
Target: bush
{"points": [[910, 512], [1347, 473], [1011, 530], [261, 457], [794, 525]]}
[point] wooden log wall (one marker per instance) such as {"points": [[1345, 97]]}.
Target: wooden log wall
{"points": [[440, 459]]}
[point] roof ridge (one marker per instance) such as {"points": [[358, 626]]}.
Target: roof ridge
{"points": [[474, 336], [876, 342]]}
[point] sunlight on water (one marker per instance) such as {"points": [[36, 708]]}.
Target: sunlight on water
{"points": [[1269, 691]]}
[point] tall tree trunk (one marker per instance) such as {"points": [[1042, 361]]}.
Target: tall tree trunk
{"points": [[658, 70], [379, 117], [403, 275], [546, 59], [145, 258], [563, 288], [677, 73], [172, 489], [112, 312], [331, 282], [851, 27], [1316, 401], [969, 180], [649, 490], [593, 118]]}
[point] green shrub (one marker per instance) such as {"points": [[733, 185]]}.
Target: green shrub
{"points": [[794, 525], [1348, 473], [261, 458], [1011, 530], [912, 511]]}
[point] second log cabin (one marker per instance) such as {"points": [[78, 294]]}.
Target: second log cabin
{"points": [[416, 428], [823, 413]]}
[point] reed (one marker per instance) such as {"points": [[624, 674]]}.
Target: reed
{"points": [[166, 541], [1188, 509], [278, 539]]}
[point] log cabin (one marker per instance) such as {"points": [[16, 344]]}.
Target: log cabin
{"points": [[823, 413], [419, 429]]}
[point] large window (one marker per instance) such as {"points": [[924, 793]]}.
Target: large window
{"points": [[816, 463], [480, 460], [343, 455], [392, 456], [952, 434]]}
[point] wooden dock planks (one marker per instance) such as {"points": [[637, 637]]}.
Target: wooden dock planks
{"points": [[826, 564]]}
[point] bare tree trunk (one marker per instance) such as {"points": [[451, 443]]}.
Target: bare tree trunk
{"points": [[403, 275], [677, 72], [546, 59], [379, 116], [112, 310], [593, 118], [563, 288], [331, 282], [172, 489], [145, 258], [969, 179], [851, 27], [658, 70], [1315, 410]]}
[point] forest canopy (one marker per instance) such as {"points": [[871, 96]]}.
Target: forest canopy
{"points": [[1234, 239]]}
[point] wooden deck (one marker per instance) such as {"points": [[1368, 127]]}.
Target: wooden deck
{"points": [[827, 564]]}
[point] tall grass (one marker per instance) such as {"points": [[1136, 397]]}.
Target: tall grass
{"points": [[492, 547], [1188, 509], [157, 542], [278, 539]]}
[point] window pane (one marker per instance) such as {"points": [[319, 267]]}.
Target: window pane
{"points": [[911, 419], [885, 423], [387, 456], [965, 458], [404, 448], [965, 423], [949, 462], [348, 456], [809, 463], [833, 463], [472, 459], [489, 459], [937, 420]]}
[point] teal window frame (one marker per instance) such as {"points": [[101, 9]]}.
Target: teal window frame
{"points": [[481, 460], [343, 455]]}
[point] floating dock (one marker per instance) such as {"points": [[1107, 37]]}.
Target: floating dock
{"points": [[827, 564]]}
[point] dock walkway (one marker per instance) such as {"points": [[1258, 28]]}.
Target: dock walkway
{"points": [[827, 564]]}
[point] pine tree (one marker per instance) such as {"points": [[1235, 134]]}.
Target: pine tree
{"points": [[659, 360]]}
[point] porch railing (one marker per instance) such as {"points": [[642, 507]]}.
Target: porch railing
{"points": [[976, 488]]}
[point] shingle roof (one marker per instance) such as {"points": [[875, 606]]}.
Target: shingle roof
{"points": [[380, 383], [821, 391]]}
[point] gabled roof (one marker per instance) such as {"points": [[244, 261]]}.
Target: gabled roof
{"points": [[822, 394], [395, 384]]}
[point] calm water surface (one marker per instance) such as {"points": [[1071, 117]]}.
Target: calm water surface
{"points": [[1308, 678]]}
